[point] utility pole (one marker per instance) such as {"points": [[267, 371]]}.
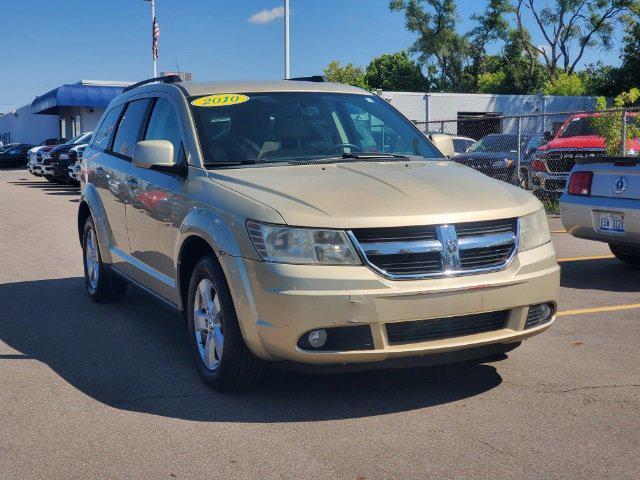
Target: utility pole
{"points": [[287, 68]]}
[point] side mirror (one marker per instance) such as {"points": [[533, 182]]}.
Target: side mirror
{"points": [[155, 155], [444, 143]]}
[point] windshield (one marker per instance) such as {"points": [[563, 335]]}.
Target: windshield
{"points": [[496, 143], [84, 138], [287, 126], [74, 139], [578, 127]]}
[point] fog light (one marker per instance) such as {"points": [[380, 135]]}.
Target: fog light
{"points": [[545, 312], [317, 338]]}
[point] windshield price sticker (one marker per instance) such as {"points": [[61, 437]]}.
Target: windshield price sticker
{"points": [[220, 100]]}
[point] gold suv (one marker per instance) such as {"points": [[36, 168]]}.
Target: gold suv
{"points": [[307, 222]]}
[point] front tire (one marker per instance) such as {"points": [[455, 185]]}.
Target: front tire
{"points": [[220, 352], [102, 284], [628, 255]]}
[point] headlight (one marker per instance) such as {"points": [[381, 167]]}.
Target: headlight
{"points": [[505, 163], [276, 243], [534, 230]]}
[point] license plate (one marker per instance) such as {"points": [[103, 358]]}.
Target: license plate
{"points": [[64, 157], [611, 222]]}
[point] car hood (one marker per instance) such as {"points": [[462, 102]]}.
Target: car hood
{"points": [[585, 141], [360, 194], [474, 157]]}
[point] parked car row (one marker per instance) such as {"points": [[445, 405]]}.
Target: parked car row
{"points": [[545, 160], [59, 162]]}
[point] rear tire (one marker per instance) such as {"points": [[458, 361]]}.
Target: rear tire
{"points": [[628, 255], [222, 357], [102, 284]]}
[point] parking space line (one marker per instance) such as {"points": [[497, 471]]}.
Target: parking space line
{"points": [[613, 308], [592, 257], [558, 231]]}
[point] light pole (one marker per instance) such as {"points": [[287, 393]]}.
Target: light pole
{"points": [[287, 70], [154, 35]]}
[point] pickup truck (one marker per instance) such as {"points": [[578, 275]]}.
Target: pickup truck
{"points": [[575, 140]]}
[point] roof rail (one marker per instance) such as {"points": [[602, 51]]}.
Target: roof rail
{"points": [[312, 78], [166, 79]]}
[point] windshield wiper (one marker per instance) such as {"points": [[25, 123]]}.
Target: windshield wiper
{"points": [[365, 156], [230, 163]]}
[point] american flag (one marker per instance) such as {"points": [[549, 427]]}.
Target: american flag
{"points": [[156, 35]]}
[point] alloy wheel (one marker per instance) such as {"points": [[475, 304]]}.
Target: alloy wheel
{"points": [[92, 259], [207, 320]]}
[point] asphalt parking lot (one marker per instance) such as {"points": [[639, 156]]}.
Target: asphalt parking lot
{"points": [[95, 391]]}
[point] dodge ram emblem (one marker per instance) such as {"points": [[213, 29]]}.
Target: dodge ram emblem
{"points": [[452, 247]]}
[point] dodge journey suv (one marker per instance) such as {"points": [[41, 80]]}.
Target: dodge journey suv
{"points": [[308, 223]]}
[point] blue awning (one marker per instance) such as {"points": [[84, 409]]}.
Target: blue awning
{"points": [[76, 95]]}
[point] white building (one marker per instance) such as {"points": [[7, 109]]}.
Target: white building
{"points": [[449, 112], [64, 112]]}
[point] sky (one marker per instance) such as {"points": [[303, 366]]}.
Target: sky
{"points": [[45, 43]]}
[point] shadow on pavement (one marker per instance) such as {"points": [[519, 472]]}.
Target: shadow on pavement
{"points": [[135, 356], [607, 274]]}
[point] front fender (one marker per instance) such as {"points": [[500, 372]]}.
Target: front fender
{"points": [[92, 199], [208, 226]]}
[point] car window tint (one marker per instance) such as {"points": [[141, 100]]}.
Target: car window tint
{"points": [[129, 128], [164, 125], [103, 133]]}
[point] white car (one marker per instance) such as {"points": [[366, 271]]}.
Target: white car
{"points": [[74, 168], [461, 144], [35, 154]]}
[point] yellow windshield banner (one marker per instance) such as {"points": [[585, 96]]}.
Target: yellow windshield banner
{"points": [[220, 100]]}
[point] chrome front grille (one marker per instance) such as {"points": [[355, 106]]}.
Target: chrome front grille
{"points": [[438, 250]]}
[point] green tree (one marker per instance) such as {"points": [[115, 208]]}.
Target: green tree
{"points": [[491, 26], [600, 79], [570, 27], [348, 74], [609, 125], [395, 72], [439, 46], [565, 84], [626, 76], [492, 82]]}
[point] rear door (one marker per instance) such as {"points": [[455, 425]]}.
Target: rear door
{"points": [[152, 222], [115, 141]]}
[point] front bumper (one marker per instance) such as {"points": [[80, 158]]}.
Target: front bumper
{"points": [[549, 182], [278, 303], [580, 217]]}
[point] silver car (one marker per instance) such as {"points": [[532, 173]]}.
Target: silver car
{"points": [[602, 202]]}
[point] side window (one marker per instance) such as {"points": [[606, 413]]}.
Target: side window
{"points": [[102, 136], [164, 125], [129, 128]]}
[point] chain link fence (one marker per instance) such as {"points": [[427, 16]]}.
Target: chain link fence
{"points": [[537, 152]]}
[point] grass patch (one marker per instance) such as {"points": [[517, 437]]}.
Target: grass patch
{"points": [[551, 206]]}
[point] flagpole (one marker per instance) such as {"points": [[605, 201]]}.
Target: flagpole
{"points": [[287, 70], [153, 16]]}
